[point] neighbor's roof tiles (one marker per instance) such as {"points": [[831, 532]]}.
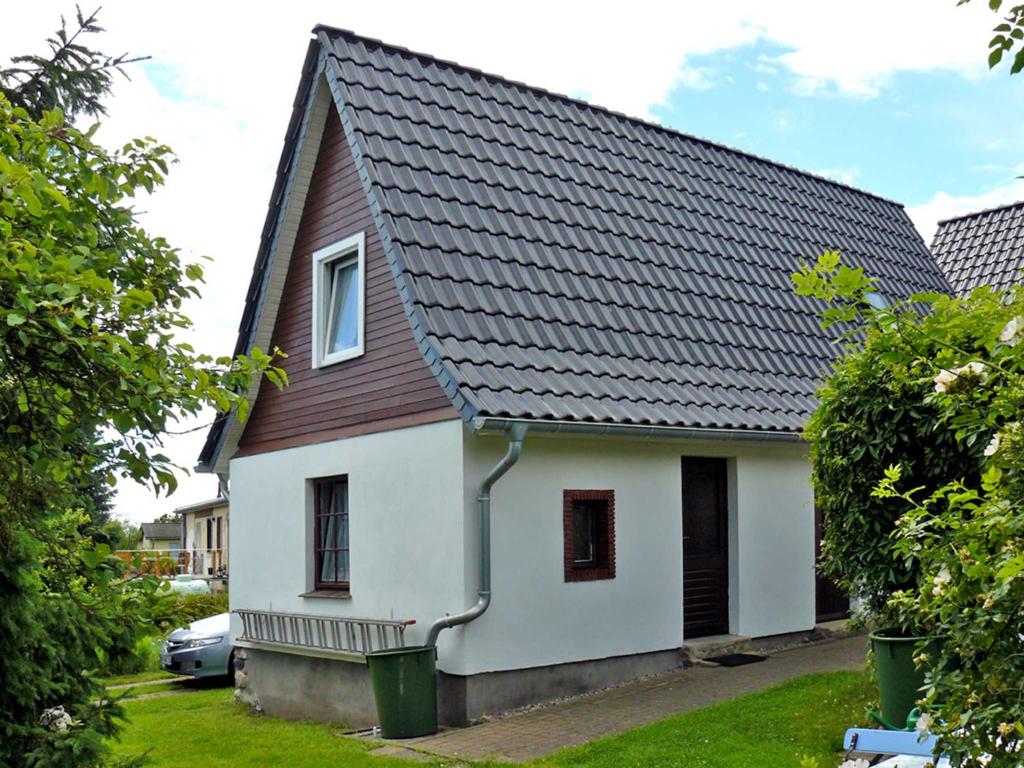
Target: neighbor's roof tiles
{"points": [[567, 262], [982, 248]]}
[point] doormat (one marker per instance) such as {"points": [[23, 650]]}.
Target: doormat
{"points": [[735, 659]]}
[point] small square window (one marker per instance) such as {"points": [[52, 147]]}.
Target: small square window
{"points": [[588, 519], [338, 312]]}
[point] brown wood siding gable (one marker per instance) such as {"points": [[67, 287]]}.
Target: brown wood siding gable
{"points": [[387, 387]]}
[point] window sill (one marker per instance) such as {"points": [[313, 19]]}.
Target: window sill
{"points": [[601, 573], [329, 594], [339, 357]]}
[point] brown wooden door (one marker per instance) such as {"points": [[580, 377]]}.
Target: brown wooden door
{"points": [[705, 548], [831, 602]]}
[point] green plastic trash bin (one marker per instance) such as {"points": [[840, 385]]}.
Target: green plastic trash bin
{"points": [[899, 679], [405, 688]]}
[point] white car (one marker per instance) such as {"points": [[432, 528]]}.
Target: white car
{"points": [[202, 650]]}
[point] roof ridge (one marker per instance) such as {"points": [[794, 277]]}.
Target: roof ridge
{"points": [[349, 34], [981, 212]]}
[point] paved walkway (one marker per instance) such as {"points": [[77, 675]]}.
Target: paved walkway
{"points": [[542, 731]]}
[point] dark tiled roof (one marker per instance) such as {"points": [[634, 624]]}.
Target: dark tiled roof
{"points": [[982, 248], [159, 531], [560, 261]]}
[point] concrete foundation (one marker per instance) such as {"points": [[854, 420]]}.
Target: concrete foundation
{"points": [[301, 687], [463, 699]]}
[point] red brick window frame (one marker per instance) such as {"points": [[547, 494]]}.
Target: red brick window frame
{"points": [[588, 529]]}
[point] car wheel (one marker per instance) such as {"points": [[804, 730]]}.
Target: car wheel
{"points": [[231, 665]]}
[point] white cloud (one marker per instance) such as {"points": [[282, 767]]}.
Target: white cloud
{"points": [[223, 76], [945, 206], [695, 78], [844, 175]]}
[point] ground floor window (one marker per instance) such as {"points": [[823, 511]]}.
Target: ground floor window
{"points": [[588, 521], [330, 540]]}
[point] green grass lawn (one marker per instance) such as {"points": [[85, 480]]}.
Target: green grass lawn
{"points": [[141, 677], [208, 728], [773, 728]]}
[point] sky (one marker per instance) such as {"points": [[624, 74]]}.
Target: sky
{"points": [[891, 97]]}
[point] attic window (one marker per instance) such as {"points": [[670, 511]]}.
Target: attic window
{"points": [[338, 301], [876, 300]]}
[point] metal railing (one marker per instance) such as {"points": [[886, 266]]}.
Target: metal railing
{"points": [[322, 633]]}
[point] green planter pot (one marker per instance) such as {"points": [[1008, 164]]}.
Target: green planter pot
{"points": [[899, 679], [405, 687]]}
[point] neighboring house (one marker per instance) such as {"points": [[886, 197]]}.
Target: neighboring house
{"points": [[452, 260], [982, 248], [161, 536], [205, 529]]}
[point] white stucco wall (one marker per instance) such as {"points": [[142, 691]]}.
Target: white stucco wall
{"points": [[536, 618], [775, 542], [405, 497], [414, 539]]}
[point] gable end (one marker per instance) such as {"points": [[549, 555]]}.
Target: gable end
{"points": [[387, 386]]}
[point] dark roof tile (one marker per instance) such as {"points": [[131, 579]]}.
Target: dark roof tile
{"points": [[567, 262], [982, 248]]}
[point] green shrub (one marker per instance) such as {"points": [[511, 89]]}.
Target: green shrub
{"points": [[873, 413], [144, 657], [186, 608], [934, 388]]}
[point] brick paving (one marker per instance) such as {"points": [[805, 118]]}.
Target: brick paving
{"points": [[540, 732]]}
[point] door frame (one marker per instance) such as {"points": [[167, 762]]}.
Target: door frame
{"points": [[728, 520], [830, 603]]}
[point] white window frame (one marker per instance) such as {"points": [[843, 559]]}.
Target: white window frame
{"points": [[350, 250]]}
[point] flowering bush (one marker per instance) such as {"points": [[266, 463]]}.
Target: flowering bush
{"points": [[873, 412], [956, 538]]}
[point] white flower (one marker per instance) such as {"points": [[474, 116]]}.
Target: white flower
{"points": [[993, 445], [1009, 333], [56, 719], [974, 369], [924, 723], [943, 380], [859, 763], [950, 380], [941, 580]]}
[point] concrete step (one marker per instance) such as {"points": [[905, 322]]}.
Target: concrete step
{"points": [[714, 645], [836, 630]]}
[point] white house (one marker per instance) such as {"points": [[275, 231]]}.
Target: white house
{"points": [[161, 536], [547, 381], [204, 526]]}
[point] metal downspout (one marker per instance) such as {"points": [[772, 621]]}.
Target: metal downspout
{"points": [[516, 433]]}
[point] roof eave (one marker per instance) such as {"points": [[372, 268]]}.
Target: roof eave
{"points": [[611, 429]]}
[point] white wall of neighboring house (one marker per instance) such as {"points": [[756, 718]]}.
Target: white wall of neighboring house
{"points": [[414, 540], [201, 541], [168, 545], [537, 618], [405, 526]]}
